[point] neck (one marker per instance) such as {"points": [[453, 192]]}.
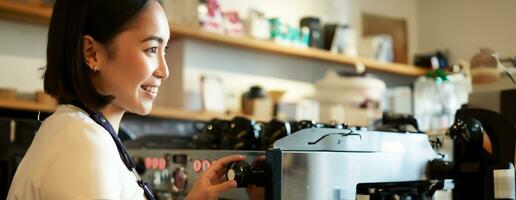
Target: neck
{"points": [[114, 115]]}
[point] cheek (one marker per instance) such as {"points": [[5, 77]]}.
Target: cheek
{"points": [[129, 72], [138, 69], [138, 66]]}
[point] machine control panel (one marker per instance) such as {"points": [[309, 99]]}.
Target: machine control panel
{"points": [[172, 173]]}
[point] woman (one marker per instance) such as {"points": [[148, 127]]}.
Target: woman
{"points": [[104, 58]]}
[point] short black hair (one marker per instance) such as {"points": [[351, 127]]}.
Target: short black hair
{"points": [[67, 77]]}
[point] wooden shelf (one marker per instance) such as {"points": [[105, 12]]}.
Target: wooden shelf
{"points": [[310, 53], [25, 12], [26, 106], [170, 113], [41, 14]]}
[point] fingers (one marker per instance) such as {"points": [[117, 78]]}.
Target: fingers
{"points": [[212, 181], [225, 186], [218, 177], [218, 168], [222, 162]]}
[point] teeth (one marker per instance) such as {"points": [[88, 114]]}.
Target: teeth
{"points": [[151, 89]]}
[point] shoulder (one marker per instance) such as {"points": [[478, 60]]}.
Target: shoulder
{"points": [[81, 153], [72, 133], [70, 125], [69, 116]]}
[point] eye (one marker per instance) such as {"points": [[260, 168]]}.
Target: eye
{"points": [[152, 50], [166, 50]]}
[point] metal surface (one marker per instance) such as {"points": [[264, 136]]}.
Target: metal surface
{"points": [[329, 163], [332, 175]]}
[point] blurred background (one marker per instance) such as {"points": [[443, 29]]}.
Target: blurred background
{"points": [[353, 62]]}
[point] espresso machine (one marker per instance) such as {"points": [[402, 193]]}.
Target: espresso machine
{"points": [[310, 160], [322, 163], [297, 160]]}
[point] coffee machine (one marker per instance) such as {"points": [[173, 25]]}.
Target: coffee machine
{"points": [[298, 160], [325, 163]]}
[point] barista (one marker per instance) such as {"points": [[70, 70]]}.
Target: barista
{"points": [[104, 58]]}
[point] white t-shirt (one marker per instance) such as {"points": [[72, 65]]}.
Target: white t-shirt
{"points": [[72, 157]]}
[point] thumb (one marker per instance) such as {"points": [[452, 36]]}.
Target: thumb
{"points": [[225, 186]]}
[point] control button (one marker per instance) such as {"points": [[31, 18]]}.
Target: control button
{"points": [[240, 172], [205, 165], [155, 163], [157, 178], [197, 165], [246, 175], [148, 163], [179, 180], [162, 164]]}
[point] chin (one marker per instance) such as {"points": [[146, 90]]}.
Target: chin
{"points": [[143, 109], [145, 112]]}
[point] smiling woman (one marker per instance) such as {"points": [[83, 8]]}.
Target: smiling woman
{"points": [[130, 68], [104, 58]]}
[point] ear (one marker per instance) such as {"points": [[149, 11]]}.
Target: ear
{"points": [[91, 53]]}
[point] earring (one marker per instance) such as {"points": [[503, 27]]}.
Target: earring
{"points": [[94, 68]]}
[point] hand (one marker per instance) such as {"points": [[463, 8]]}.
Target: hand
{"points": [[212, 182]]}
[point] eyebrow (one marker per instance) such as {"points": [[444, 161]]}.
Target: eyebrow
{"points": [[155, 38]]}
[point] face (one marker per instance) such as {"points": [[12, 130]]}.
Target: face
{"points": [[136, 67]]}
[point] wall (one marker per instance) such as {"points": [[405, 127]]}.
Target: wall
{"points": [[293, 10], [403, 9], [22, 54], [464, 26]]}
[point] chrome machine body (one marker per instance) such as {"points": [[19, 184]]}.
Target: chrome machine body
{"points": [[320, 163]]}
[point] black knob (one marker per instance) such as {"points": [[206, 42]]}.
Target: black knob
{"points": [[304, 124], [240, 172], [246, 175], [209, 137], [274, 130], [243, 134]]}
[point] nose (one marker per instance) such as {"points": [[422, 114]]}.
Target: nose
{"points": [[162, 71]]}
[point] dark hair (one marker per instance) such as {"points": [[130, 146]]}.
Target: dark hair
{"points": [[67, 77]]}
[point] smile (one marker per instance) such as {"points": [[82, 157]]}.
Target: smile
{"points": [[150, 89]]}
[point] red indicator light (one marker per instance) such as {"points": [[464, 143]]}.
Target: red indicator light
{"points": [[162, 163], [155, 163], [148, 163], [197, 165], [205, 165]]}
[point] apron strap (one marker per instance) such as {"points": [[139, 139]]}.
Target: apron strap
{"points": [[126, 158]]}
